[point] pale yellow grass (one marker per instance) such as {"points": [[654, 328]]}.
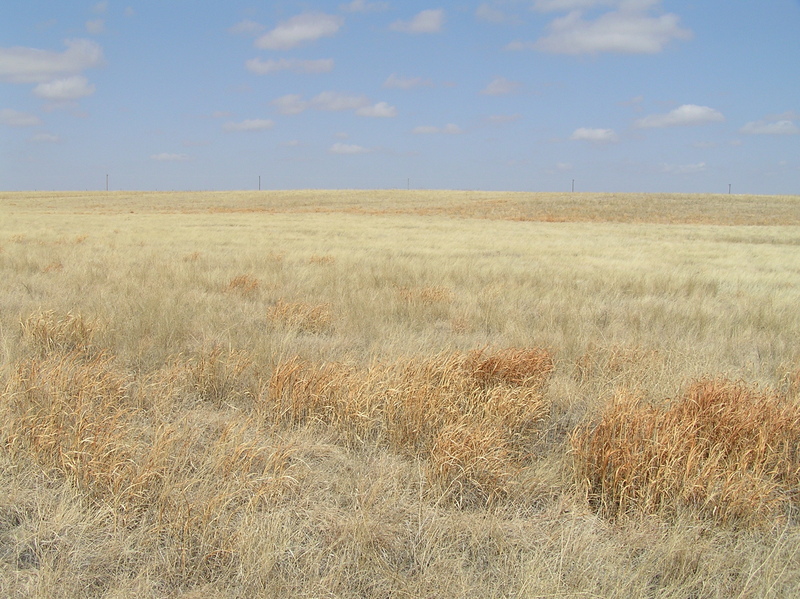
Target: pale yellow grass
{"points": [[392, 393]]}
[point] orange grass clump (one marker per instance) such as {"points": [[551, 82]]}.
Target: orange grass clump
{"points": [[305, 317], [722, 450], [472, 417], [425, 296], [244, 284]]}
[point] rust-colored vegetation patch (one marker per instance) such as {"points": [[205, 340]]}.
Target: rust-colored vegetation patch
{"points": [[324, 260], [244, 285], [425, 296], [473, 417], [722, 450], [302, 316]]}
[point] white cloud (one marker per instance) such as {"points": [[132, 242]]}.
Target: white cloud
{"points": [[31, 65], [298, 30], [688, 114], [331, 101], [166, 157], [363, 6], [46, 138], [500, 86], [427, 21], [395, 82], [628, 27], [449, 129], [290, 104], [684, 169], [624, 32], [100, 7], [335, 101], [772, 126], [595, 135], [379, 110], [249, 125], [340, 148], [15, 118], [246, 27], [96, 26], [295, 65], [65, 90]]}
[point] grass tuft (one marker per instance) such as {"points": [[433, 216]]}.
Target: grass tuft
{"points": [[723, 451]]}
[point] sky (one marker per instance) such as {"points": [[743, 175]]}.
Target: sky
{"points": [[677, 96]]}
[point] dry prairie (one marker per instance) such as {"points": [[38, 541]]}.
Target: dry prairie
{"points": [[399, 393]]}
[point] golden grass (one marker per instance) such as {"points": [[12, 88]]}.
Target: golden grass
{"points": [[458, 394], [724, 450]]}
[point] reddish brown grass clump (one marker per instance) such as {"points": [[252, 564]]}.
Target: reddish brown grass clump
{"points": [[305, 317], [722, 450], [244, 284]]}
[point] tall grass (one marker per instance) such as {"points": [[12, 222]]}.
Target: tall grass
{"points": [[378, 394]]}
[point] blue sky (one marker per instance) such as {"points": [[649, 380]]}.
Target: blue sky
{"points": [[617, 95]]}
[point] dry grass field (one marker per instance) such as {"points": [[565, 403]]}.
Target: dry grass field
{"points": [[399, 394]]}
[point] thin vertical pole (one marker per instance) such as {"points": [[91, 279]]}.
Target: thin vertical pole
{"points": [[106, 182], [573, 185], [259, 183], [729, 189]]}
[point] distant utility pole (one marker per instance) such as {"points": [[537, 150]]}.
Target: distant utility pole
{"points": [[573, 185], [106, 182], [729, 189], [259, 183], [408, 183]]}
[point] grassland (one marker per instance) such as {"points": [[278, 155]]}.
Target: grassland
{"points": [[399, 394]]}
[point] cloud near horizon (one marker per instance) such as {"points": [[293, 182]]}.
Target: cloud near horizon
{"points": [[249, 125]]}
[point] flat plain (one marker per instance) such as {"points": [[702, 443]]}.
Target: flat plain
{"points": [[399, 394]]}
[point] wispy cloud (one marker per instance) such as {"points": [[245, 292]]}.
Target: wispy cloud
{"points": [[249, 125], [304, 28], [686, 115], [295, 65], [364, 6], [395, 82], [629, 28], [96, 26], [65, 90], [599, 136], [15, 118], [500, 86], [684, 169], [379, 110], [46, 138], [427, 21], [783, 124], [166, 157], [340, 148], [331, 101], [31, 65], [449, 129]]}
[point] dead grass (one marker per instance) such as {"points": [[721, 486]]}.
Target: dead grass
{"points": [[722, 450], [301, 316], [245, 285]]}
